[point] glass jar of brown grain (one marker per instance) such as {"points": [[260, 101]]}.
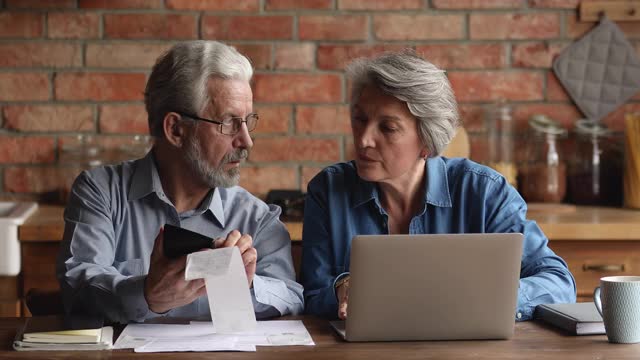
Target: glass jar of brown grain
{"points": [[543, 173]]}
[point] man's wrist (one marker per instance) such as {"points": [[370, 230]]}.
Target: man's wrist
{"points": [[342, 281]]}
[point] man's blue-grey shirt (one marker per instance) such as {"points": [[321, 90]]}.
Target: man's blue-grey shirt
{"points": [[460, 197], [112, 219]]}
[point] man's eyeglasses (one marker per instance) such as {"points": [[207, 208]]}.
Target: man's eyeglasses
{"points": [[229, 126]]}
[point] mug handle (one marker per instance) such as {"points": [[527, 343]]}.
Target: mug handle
{"points": [[596, 300]]}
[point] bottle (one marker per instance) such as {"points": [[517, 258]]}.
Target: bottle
{"points": [[595, 170], [543, 173], [499, 124]]}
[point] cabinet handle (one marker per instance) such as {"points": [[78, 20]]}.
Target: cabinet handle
{"points": [[603, 267]]}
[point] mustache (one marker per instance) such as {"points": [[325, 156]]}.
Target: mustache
{"points": [[236, 155]]}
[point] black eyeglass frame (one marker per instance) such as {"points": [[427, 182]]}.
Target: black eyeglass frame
{"points": [[221, 123]]}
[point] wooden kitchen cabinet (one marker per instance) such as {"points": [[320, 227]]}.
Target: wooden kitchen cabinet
{"points": [[594, 241], [591, 260]]}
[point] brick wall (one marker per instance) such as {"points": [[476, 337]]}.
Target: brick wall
{"points": [[71, 67]]}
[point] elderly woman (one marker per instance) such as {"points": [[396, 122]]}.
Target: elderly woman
{"points": [[403, 114]]}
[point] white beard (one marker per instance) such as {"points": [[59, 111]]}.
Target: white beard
{"points": [[215, 176]]}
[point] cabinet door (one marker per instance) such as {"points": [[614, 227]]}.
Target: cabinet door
{"points": [[591, 260], [9, 298]]}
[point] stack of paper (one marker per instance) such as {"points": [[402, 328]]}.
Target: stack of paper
{"points": [[63, 333], [201, 336]]}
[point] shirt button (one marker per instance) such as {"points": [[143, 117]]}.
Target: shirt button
{"points": [[519, 315]]}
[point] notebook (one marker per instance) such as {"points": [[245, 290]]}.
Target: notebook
{"points": [[578, 319], [63, 333], [432, 287]]}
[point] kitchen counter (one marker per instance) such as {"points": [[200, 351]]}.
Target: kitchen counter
{"points": [[559, 222]]}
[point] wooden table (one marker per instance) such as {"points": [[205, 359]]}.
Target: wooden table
{"points": [[531, 340], [595, 242]]}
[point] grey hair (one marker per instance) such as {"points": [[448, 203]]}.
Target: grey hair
{"points": [[420, 84], [178, 81]]}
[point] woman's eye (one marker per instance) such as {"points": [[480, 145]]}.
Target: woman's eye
{"points": [[388, 129]]}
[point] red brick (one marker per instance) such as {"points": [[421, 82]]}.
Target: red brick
{"points": [[48, 54], [73, 25], [308, 173], [476, 4], [247, 27], [349, 149], [20, 24], [150, 26], [259, 180], [24, 86], [332, 27], [295, 149], [49, 118], [555, 4], [120, 4], [40, 4], [555, 90], [99, 86], [124, 55], [494, 85], [514, 26], [418, 27], [297, 56], [479, 147], [31, 149], [298, 4], [39, 179], [303, 88], [535, 55], [214, 5], [565, 114], [128, 119], [577, 28], [615, 120], [472, 117], [258, 54], [380, 4], [323, 120], [273, 119], [464, 56], [336, 57]]}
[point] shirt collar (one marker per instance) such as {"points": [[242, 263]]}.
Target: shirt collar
{"points": [[145, 169], [437, 183], [141, 186], [436, 186]]}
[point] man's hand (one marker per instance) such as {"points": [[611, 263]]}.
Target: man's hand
{"points": [[342, 292], [165, 287], [248, 252]]}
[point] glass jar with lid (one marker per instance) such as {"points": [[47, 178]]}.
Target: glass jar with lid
{"points": [[543, 174], [595, 170], [499, 124]]}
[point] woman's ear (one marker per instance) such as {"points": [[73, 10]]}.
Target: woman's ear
{"points": [[424, 153], [173, 132]]}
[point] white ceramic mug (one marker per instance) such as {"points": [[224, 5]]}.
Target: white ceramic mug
{"points": [[618, 301]]}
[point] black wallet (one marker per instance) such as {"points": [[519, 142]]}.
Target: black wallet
{"points": [[179, 241]]}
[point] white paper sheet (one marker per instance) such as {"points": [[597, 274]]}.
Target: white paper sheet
{"points": [[172, 337], [274, 333], [227, 288], [199, 336]]}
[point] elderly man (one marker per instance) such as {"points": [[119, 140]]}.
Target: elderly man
{"points": [[200, 110]]}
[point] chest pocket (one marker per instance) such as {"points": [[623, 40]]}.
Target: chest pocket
{"points": [[132, 267]]}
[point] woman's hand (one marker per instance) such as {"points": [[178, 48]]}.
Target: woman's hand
{"points": [[342, 292]]}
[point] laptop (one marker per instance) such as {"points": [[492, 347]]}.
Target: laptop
{"points": [[432, 287]]}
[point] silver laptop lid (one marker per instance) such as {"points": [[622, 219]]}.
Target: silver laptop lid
{"points": [[433, 287]]}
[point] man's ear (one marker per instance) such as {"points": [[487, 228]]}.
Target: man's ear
{"points": [[173, 132]]}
